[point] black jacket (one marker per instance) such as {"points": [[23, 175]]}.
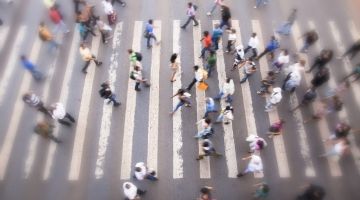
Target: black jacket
{"points": [[225, 14]]}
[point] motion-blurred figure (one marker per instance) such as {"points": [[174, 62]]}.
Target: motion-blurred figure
{"points": [[285, 28], [31, 67], [310, 38], [353, 50], [33, 100]]}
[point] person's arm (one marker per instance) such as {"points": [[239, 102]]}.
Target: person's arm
{"points": [[246, 158]]}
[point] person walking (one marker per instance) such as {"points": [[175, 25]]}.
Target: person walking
{"points": [[231, 40], [105, 30], [339, 148], [210, 106], [321, 60], [312, 192], [225, 17], [191, 16], [285, 28], [149, 34], [283, 59], [45, 129], [46, 36], [207, 43], [292, 81], [260, 3], [208, 150], [327, 106], [249, 69], [57, 112], [355, 74], [134, 57], [122, 3], [87, 57], [207, 130], [262, 191], [106, 93], [342, 130], [57, 19], [320, 77], [84, 30], [353, 50], [310, 38], [198, 77], [215, 4], [309, 97], [205, 193], [226, 115], [255, 165], [227, 91], [184, 99], [31, 67], [253, 44], [142, 172], [276, 128], [274, 99], [33, 100], [239, 57], [256, 143], [266, 83], [270, 48], [216, 36], [211, 62], [132, 192], [174, 66], [109, 11], [136, 75]]}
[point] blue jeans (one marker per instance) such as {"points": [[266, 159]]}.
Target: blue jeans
{"points": [[227, 23], [246, 76], [221, 94], [181, 103], [203, 50]]}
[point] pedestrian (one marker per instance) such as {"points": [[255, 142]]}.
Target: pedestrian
{"points": [[210, 106], [199, 76], [184, 99], [87, 15], [255, 165], [276, 128], [227, 91], [190, 12], [231, 40], [208, 150], [283, 59], [270, 48], [256, 143], [353, 50], [32, 68], [205, 193], [143, 172], [122, 3], [285, 28], [226, 115], [249, 69], [46, 129], [239, 58], [84, 30], [57, 112], [216, 3], [292, 81], [342, 130], [225, 17], [132, 192], [87, 57], [320, 77], [134, 57], [207, 129], [211, 62], [298, 66], [260, 2], [339, 91], [253, 44], [340, 147], [355, 74], [105, 30], [49, 3], [262, 191], [46, 36], [149, 33], [327, 106], [216, 36], [310, 38], [57, 19], [274, 99], [266, 83], [312, 192], [106, 93], [174, 66], [206, 40], [109, 11], [309, 97], [321, 60], [33, 100], [136, 75]]}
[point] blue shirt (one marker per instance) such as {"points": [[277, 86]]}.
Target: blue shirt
{"points": [[272, 45], [217, 33], [149, 28], [28, 65]]}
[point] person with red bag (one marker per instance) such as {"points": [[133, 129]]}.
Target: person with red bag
{"points": [[57, 19], [109, 11]]}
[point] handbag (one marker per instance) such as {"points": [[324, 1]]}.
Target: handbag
{"points": [[203, 86]]}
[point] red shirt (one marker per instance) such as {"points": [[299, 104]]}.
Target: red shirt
{"points": [[207, 41], [55, 16]]}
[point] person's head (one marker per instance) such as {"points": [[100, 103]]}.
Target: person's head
{"points": [[302, 62], [228, 107], [271, 73], [181, 91], [253, 34], [206, 33], [233, 31], [207, 120], [212, 52], [204, 190], [260, 143], [173, 57], [273, 37], [26, 96], [136, 68], [228, 80], [196, 67], [206, 144], [137, 169], [105, 84], [130, 51], [286, 52], [150, 21], [127, 186], [190, 4], [23, 57]]}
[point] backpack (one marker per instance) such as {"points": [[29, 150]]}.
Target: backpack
{"points": [[138, 56], [102, 92], [195, 7], [132, 75]]}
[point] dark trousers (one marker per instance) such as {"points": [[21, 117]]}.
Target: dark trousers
{"points": [[65, 122], [86, 33], [191, 84], [87, 63], [151, 35], [188, 21], [263, 53], [112, 98], [137, 85], [227, 23], [203, 50], [229, 45], [253, 51], [352, 51], [119, 1]]}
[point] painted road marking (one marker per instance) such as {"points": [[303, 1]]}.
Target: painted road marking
{"points": [[178, 171], [279, 146], [130, 111], [200, 102], [14, 123], [4, 31], [230, 152], [107, 109], [65, 88]]}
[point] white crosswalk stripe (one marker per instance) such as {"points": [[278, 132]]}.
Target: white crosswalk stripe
{"points": [[4, 31]]}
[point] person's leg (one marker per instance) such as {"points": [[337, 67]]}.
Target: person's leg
{"points": [[97, 62], [305, 47], [195, 21], [247, 49], [219, 96], [71, 118], [137, 84], [246, 76], [191, 84], [222, 23], [64, 26], [181, 103], [53, 138], [228, 46], [254, 53], [62, 121], [187, 22], [148, 38], [354, 52], [87, 63], [212, 9], [103, 38], [220, 118], [262, 54]]}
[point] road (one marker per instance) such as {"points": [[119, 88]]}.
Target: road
{"points": [[99, 152]]}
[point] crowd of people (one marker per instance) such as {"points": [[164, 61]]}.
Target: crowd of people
{"points": [[245, 59]]}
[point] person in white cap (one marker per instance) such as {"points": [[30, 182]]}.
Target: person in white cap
{"points": [[255, 165], [274, 99], [142, 172], [256, 143], [132, 192]]}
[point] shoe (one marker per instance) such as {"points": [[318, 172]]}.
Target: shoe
{"points": [[227, 123], [99, 63], [149, 47], [138, 90], [196, 24], [208, 13], [83, 71], [117, 104], [183, 27], [240, 175]]}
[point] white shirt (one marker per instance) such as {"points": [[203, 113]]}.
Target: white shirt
{"points": [[138, 75], [140, 175], [295, 77], [232, 36], [255, 164], [108, 8], [229, 88], [85, 53], [253, 42], [59, 111], [276, 96], [190, 11], [283, 59], [293, 67], [199, 74], [130, 193]]}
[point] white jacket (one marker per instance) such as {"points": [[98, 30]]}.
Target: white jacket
{"points": [[228, 88], [108, 8], [253, 42], [59, 111], [276, 96], [140, 175], [131, 192]]}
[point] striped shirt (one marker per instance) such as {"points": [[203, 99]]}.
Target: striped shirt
{"points": [[32, 100]]}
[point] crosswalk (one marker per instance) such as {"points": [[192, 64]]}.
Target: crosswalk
{"points": [[125, 157]]}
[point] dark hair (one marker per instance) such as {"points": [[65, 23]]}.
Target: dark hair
{"points": [[286, 52], [205, 144], [271, 73], [138, 169], [260, 143], [150, 21], [206, 33], [130, 50], [196, 67], [273, 37], [228, 80], [173, 57], [190, 4], [205, 190], [208, 120], [253, 34]]}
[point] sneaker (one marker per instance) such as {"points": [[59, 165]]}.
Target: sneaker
{"points": [[138, 90], [196, 24], [117, 104], [208, 13], [240, 175], [99, 63]]}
